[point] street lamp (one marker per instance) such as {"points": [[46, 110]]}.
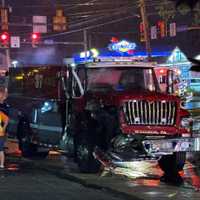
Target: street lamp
{"points": [[15, 63]]}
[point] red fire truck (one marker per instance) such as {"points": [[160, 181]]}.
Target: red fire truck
{"points": [[114, 111]]}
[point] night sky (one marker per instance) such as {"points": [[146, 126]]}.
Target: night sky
{"points": [[124, 15]]}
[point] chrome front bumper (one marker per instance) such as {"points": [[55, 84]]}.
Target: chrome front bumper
{"points": [[168, 146]]}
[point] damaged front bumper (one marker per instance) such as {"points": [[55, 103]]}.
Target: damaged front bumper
{"points": [[169, 146]]}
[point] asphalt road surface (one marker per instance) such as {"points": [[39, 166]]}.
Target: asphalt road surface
{"points": [[58, 177], [50, 179], [22, 181]]}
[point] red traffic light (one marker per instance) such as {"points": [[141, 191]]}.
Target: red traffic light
{"points": [[4, 40], [35, 36], [4, 36]]}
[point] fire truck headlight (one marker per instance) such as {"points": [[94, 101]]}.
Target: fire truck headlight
{"points": [[186, 122], [182, 104], [47, 106]]}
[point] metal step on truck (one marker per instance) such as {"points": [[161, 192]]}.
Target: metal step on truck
{"points": [[106, 112]]}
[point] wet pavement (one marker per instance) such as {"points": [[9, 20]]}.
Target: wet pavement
{"points": [[142, 180], [22, 180], [138, 180]]}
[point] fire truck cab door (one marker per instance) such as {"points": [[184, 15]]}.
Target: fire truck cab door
{"points": [[74, 89]]}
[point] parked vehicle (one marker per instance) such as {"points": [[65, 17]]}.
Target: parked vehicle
{"points": [[113, 111]]}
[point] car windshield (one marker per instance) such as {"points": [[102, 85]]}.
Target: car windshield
{"points": [[121, 78]]}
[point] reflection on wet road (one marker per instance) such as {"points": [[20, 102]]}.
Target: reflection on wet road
{"points": [[141, 177], [12, 167], [148, 174], [15, 165], [145, 173], [21, 180], [192, 175]]}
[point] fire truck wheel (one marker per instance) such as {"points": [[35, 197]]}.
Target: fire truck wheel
{"points": [[28, 150], [171, 165], [84, 157]]}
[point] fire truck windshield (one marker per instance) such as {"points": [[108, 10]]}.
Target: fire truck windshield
{"points": [[122, 78]]}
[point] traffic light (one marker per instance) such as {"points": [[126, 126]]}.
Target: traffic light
{"points": [[162, 28], [5, 40], [60, 22], [4, 18], [35, 38], [114, 40]]}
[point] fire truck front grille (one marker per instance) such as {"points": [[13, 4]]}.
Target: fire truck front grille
{"points": [[146, 112]]}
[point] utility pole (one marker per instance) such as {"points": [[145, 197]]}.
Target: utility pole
{"points": [[7, 49], [85, 41], [146, 27]]}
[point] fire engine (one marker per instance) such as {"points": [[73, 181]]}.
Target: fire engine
{"points": [[113, 110]]}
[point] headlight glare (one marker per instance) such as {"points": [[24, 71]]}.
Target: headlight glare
{"points": [[47, 106]]}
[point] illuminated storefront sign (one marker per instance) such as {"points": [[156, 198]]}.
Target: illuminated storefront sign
{"points": [[122, 46], [177, 56]]}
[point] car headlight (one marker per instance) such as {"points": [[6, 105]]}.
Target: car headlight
{"points": [[186, 122], [47, 106]]}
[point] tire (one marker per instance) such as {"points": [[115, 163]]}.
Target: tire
{"points": [[84, 157], [24, 134], [91, 132], [30, 150]]}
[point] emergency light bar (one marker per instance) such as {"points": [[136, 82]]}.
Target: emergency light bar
{"points": [[121, 64], [111, 59], [118, 59]]}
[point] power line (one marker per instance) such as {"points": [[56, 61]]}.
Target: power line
{"points": [[90, 27], [103, 11], [96, 18], [99, 18], [72, 6]]}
